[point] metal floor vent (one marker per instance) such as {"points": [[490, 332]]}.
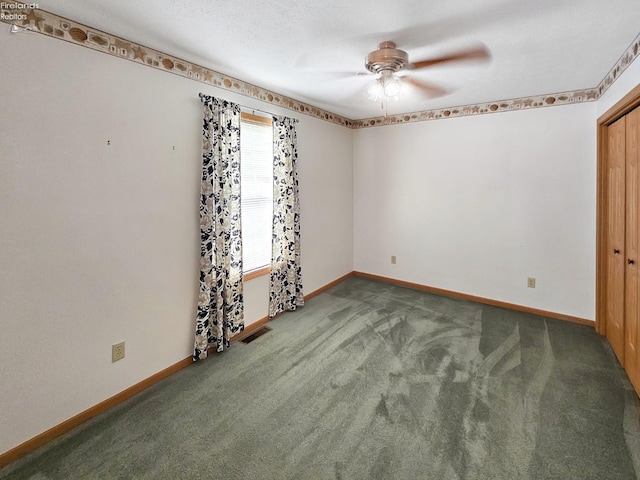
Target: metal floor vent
{"points": [[256, 334]]}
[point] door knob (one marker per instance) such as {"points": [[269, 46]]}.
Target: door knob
{"points": [[616, 251], [630, 262]]}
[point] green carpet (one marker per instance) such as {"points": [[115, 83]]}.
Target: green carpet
{"points": [[374, 381]]}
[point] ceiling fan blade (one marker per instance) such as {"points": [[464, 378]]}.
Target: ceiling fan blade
{"points": [[428, 89], [338, 74], [477, 53]]}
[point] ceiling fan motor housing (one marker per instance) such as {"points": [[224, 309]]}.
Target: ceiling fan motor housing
{"points": [[386, 57]]}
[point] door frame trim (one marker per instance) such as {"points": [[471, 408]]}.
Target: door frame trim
{"points": [[627, 103]]}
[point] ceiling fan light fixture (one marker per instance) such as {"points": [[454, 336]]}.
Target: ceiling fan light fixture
{"points": [[388, 61], [390, 84], [392, 87], [375, 91]]}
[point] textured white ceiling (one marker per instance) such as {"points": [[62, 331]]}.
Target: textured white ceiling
{"points": [[301, 48]]}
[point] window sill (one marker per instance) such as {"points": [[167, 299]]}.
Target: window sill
{"points": [[256, 273]]}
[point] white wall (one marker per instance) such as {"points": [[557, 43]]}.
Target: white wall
{"points": [[100, 243], [478, 204]]}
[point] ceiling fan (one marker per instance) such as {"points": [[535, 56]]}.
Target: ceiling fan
{"points": [[388, 60]]}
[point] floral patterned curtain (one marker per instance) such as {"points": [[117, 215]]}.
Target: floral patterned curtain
{"points": [[220, 305], [285, 289]]}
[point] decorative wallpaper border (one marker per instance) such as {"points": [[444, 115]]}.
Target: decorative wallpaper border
{"points": [[61, 28], [620, 66], [524, 103]]}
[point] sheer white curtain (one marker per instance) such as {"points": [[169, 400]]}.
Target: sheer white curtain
{"points": [[220, 304], [285, 289]]}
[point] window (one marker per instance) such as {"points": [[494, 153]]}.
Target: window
{"points": [[256, 170]]}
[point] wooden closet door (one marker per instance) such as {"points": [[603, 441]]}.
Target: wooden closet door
{"points": [[616, 260], [632, 283]]}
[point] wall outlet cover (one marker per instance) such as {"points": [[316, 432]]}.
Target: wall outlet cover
{"points": [[117, 351]]}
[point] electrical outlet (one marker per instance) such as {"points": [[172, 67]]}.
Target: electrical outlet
{"points": [[393, 259], [117, 351], [531, 282]]}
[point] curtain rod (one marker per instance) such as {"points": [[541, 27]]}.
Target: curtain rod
{"points": [[271, 114]]}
